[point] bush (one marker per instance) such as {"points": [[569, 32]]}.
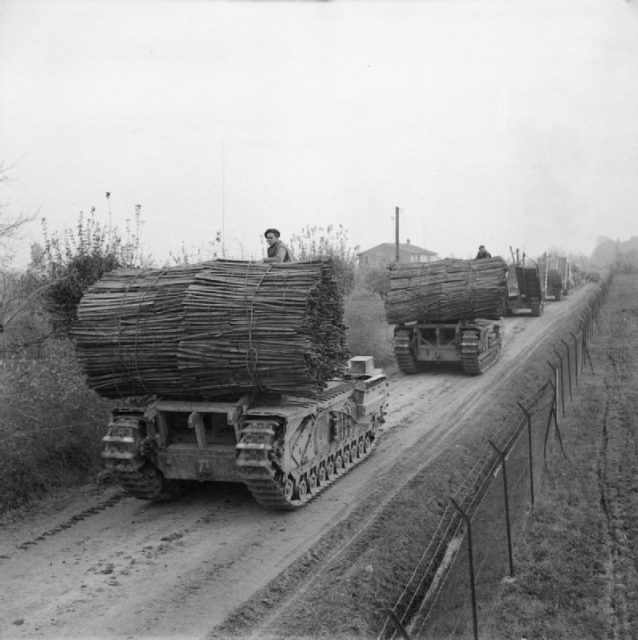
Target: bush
{"points": [[51, 424], [73, 264], [330, 242]]}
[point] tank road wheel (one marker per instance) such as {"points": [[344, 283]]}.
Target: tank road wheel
{"points": [[322, 476], [361, 449], [340, 466], [313, 483], [346, 457], [330, 468], [289, 489], [302, 490]]}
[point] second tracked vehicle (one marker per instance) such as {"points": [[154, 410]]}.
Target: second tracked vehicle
{"points": [[448, 311], [475, 344]]}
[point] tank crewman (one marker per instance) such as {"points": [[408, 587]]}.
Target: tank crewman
{"points": [[277, 250], [483, 253]]}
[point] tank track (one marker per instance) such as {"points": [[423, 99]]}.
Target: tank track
{"points": [[267, 484], [138, 478], [474, 362], [148, 483], [403, 351]]}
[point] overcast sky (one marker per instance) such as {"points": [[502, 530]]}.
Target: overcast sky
{"points": [[495, 122]]}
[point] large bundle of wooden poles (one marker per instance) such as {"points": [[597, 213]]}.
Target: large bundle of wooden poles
{"points": [[213, 329], [446, 290]]}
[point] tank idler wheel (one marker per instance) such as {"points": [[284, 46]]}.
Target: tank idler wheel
{"points": [[322, 475], [289, 489], [302, 490], [330, 468], [313, 484]]}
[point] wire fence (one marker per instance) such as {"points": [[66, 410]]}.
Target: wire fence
{"points": [[471, 548]]}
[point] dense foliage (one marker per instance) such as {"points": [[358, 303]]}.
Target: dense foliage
{"points": [[329, 242], [78, 259], [50, 423]]}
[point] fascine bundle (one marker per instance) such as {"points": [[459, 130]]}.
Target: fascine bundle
{"points": [[213, 329], [446, 290]]}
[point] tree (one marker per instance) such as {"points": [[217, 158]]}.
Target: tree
{"points": [[10, 224], [377, 281], [72, 263], [330, 242]]}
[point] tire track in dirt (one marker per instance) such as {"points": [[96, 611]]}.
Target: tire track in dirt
{"points": [[72, 520]]}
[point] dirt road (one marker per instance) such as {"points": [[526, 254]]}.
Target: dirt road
{"points": [[103, 565]]}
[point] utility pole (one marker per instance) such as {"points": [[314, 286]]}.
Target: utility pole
{"points": [[396, 234]]}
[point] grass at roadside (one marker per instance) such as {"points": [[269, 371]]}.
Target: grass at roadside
{"points": [[559, 588], [50, 424], [576, 566]]}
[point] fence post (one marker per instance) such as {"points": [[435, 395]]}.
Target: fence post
{"points": [[530, 453], [590, 324], [583, 340], [471, 563], [596, 312], [569, 367], [501, 456], [397, 623], [549, 421], [575, 338], [585, 351], [562, 385]]}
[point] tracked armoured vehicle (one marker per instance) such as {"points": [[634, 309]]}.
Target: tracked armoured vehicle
{"points": [[526, 286], [556, 274], [228, 371], [475, 344], [447, 311], [284, 449]]}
